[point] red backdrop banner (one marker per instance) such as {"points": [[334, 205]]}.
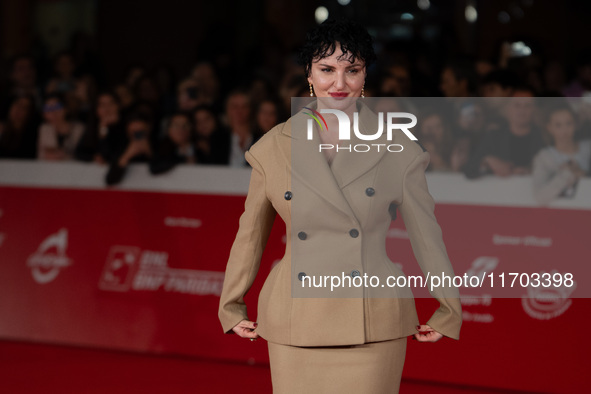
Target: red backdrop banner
{"points": [[143, 270]]}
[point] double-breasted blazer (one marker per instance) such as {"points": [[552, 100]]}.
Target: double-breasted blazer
{"points": [[337, 217]]}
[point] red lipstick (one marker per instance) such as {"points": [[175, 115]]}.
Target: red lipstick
{"points": [[338, 94]]}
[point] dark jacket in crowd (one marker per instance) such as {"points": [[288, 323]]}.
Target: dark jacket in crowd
{"points": [[19, 144], [166, 157], [501, 143], [108, 147]]}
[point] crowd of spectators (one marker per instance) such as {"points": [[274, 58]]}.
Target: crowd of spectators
{"points": [[494, 120]]}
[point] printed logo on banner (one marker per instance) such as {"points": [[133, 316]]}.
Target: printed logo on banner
{"points": [[545, 303], [481, 266], [117, 273], [129, 268], [46, 264]]}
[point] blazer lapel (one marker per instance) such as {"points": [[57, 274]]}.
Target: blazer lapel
{"points": [[347, 165], [309, 165]]}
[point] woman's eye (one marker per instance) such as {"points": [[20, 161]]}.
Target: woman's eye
{"points": [[325, 69], [354, 71]]}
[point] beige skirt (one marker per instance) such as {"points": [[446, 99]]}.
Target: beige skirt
{"points": [[371, 368]]}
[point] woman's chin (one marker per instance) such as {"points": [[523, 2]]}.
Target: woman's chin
{"points": [[337, 102]]}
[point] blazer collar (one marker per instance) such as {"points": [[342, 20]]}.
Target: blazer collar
{"points": [[309, 165]]}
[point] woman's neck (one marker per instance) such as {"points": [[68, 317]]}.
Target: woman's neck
{"points": [[566, 146], [62, 126]]}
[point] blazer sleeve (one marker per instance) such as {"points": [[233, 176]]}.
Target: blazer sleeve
{"points": [[245, 255], [418, 212]]}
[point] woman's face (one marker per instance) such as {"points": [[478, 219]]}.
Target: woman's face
{"points": [[20, 110], [561, 125], [107, 109], [205, 123], [147, 90], [64, 66], [179, 130], [53, 111], [337, 77], [267, 116], [432, 128], [238, 109], [125, 96]]}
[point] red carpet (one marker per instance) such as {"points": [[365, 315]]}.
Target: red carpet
{"points": [[40, 368]]}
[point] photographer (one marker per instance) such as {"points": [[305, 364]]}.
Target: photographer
{"points": [[176, 147], [137, 148]]}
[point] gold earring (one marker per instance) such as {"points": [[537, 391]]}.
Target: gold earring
{"points": [[363, 91], [311, 91]]}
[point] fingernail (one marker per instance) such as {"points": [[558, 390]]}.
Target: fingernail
{"points": [[418, 327], [256, 324]]}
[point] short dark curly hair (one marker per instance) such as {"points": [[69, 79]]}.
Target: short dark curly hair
{"points": [[355, 41]]}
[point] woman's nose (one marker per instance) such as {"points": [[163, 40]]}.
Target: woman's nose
{"points": [[340, 81]]}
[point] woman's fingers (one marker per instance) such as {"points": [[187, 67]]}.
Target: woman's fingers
{"points": [[424, 327], [245, 329], [427, 334]]}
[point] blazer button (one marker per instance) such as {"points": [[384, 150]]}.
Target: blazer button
{"points": [[301, 276], [354, 233], [287, 195], [302, 235], [370, 191], [355, 273]]}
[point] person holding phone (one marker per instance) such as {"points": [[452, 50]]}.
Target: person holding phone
{"points": [[558, 167], [136, 149], [177, 147], [58, 135]]}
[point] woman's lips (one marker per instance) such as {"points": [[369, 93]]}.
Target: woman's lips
{"points": [[338, 94]]}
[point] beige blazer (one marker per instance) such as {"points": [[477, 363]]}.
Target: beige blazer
{"points": [[336, 218]]}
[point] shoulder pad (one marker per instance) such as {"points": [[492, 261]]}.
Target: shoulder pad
{"points": [[421, 145]]}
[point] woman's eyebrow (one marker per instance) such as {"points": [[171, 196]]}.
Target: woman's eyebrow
{"points": [[328, 65]]}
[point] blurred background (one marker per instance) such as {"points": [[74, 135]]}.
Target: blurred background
{"points": [[225, 71], [123, 127]]}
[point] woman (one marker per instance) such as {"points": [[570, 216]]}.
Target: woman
{"points": [[212, 141], [177, 147], [134, 147], [558, 167], [18, 134], [437, 137], [58, 136], [102, 140], [337, 211], [268, 114]]}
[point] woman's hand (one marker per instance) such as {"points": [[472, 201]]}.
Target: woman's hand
{"points": [[54, 154], [135, 148], [427, 334], [498, 166], [573, 166], [245, 329]]}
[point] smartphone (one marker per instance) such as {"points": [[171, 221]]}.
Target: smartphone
{"points": [[139, 135], [192, 92]]}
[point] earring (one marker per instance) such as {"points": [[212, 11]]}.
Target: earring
{"points": [[311, 91], [363, 91]]}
